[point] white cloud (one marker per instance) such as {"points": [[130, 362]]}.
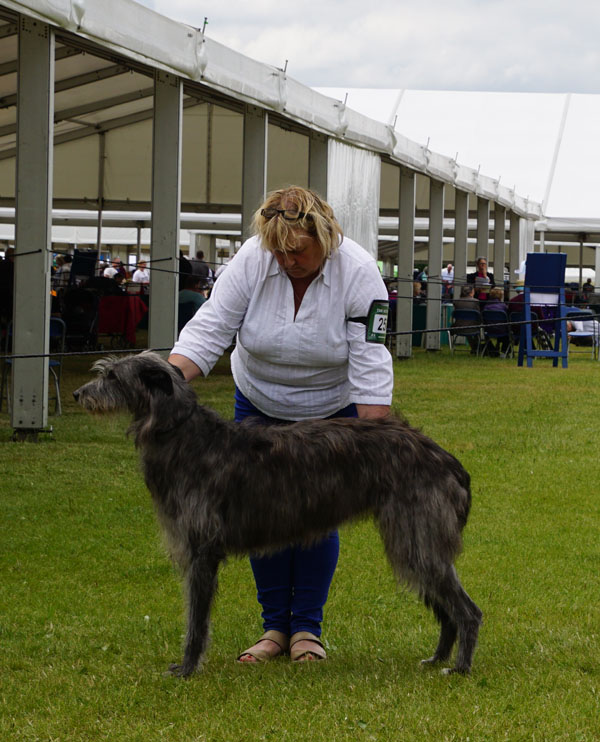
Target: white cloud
{"points": [[526, 45]]}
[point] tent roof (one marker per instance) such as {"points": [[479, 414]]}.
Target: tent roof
{"points": [[545, 146], [107, 52]]}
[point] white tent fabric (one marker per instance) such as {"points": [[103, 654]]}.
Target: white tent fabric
{"points": [[351, 192], [544, 146]]}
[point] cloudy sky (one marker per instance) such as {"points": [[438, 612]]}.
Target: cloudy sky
{"points": [[494, 45]]}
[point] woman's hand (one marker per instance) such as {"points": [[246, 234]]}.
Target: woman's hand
{"points": [[187, 367], [372, 411]]}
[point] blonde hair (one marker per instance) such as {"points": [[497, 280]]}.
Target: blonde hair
{"points": [[278, 234], [496, 293]]}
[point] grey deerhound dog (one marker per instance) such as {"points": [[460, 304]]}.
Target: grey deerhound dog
{"points": [[224, 488]]}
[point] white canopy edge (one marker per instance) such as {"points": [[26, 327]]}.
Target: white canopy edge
{"points": [[558, 224], [138, 33]]}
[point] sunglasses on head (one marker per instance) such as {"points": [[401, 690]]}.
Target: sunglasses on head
{"points": [[291, 215]]}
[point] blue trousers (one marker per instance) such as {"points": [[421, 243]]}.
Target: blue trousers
{"points": [[293, 584]]}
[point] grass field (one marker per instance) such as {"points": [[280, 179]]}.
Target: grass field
{"points": [[91, 610]]}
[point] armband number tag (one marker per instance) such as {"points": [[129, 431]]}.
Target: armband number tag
{"points": [[377, 320]]}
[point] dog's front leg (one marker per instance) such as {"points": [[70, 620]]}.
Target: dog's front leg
{"points": [[201, 589]]}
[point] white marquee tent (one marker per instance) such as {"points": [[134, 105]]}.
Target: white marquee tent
{"points": [[109, 109], [543, 145]]}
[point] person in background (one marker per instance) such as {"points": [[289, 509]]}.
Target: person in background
{"points": [[60, 279], [419, 295], [141, 274], [111, 270], [192, 291], [482, 279], [496, 303], [447, 282], [496, 300], [290, 296], [467, 300], [201, 269]]}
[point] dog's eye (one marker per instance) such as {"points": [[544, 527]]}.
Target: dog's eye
{"points": [[111, 375]]}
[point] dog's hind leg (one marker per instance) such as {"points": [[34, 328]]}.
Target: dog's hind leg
{"points": [[448, 634], [464, 614], [201, 588]]}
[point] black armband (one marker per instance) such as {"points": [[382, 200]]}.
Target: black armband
{"points": [[375, 321]]}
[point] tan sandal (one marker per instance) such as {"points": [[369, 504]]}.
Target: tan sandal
{"points": [[304, 655], [261, 655]]}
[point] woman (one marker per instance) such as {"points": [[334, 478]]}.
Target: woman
{"points": [[483, 280], [294, 294]]}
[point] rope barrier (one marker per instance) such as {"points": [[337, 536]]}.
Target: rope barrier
{"points": [[398, 333]]}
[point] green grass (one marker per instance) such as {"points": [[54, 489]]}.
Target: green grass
{"points": [[91, 611]]}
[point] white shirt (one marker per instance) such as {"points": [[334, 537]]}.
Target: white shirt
{"points": [[110, 272], [141, 276], [298, 368], [589, 325], [447, 275]]}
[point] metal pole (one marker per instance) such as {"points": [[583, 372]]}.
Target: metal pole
{"points": [[406, 261], [461, 222], [317, 163], [483, 228], [166, 205], [31, 307], [499, 244], [254, 172], [101, 165], [436, 243]]}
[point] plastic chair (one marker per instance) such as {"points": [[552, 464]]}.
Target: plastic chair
{"points": [[57, 333], [467, 324], [497, 332]]}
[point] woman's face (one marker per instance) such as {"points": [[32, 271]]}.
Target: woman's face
{"points": [[305, 260], [482, 267]]}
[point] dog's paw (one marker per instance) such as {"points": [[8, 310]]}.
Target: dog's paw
{"points": [[454, 671], [178, 671], [429, 661]]}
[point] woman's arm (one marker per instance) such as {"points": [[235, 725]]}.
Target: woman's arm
{"points": [[370, 370], [212, 329]]}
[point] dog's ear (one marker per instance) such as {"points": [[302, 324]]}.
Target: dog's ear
{"points": [[157, 380]]}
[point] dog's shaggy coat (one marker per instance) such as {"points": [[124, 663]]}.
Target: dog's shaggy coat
{"points": [[223, 488]]}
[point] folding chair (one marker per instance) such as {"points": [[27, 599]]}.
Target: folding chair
{"points": [[465, 323], [496, 330]]}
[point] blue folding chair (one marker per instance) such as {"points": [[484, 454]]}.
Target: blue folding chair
{"points": [[465, 323], [497, 332]]}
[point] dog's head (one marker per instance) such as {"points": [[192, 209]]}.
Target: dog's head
{"points": [[137, 383]]}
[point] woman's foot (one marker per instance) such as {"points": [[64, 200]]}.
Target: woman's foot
{"points": [[271, 644], [306, 647]]}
